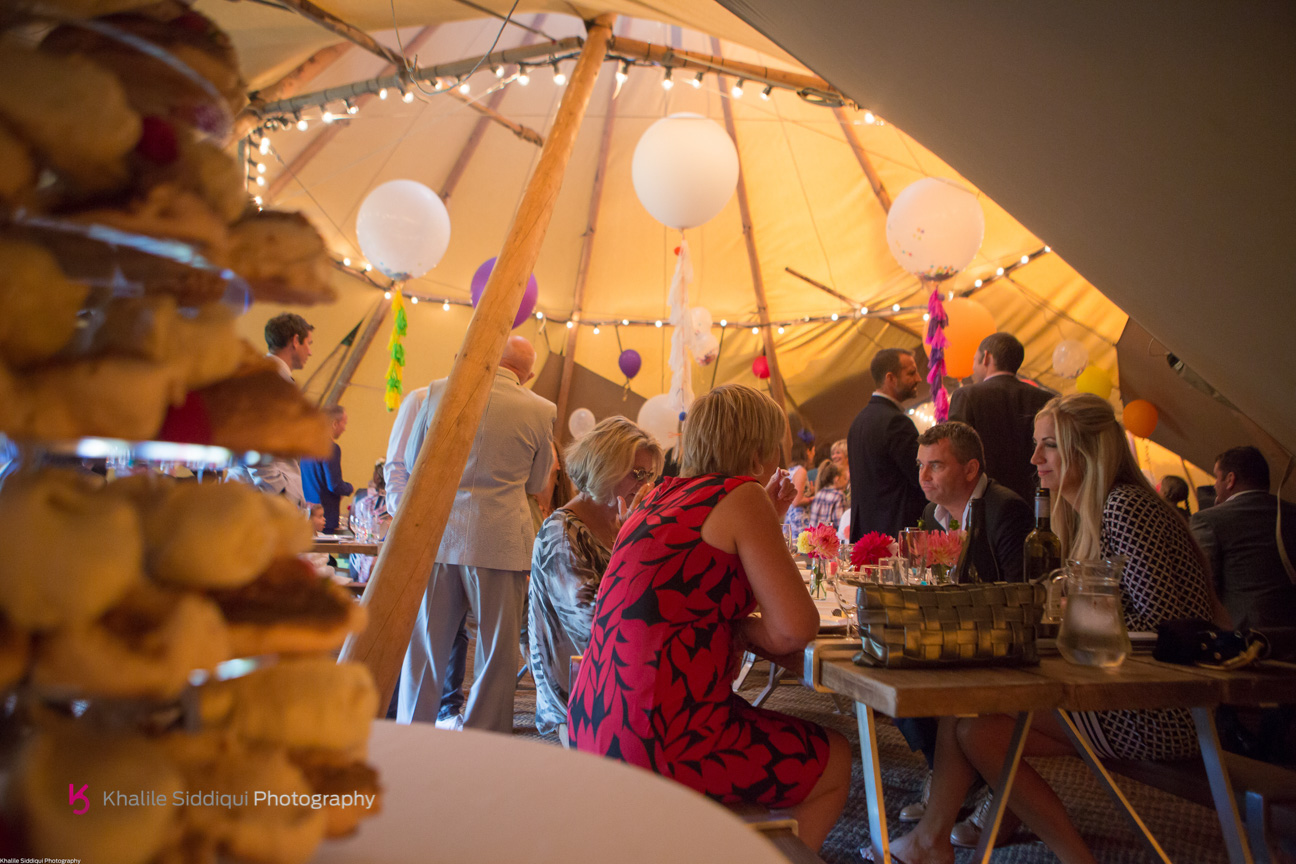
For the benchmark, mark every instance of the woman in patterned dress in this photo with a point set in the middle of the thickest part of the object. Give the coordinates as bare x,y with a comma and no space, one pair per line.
608,466
674,612
1103,507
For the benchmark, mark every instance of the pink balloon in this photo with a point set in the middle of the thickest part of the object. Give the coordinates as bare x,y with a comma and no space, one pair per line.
761,368
528,297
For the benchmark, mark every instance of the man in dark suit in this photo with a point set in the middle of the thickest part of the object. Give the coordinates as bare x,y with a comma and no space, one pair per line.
881,448
950,457
1239,537
321,479
1001,408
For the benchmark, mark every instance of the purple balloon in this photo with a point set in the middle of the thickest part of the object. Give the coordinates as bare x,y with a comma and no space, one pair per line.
528,296
629,361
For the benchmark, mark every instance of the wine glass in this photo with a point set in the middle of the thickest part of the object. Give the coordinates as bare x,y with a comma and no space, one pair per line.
847,595
913,547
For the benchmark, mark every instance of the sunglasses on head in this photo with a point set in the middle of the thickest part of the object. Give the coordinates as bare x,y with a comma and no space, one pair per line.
641,474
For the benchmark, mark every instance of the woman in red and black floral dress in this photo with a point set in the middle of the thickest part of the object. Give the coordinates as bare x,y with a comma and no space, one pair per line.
674,611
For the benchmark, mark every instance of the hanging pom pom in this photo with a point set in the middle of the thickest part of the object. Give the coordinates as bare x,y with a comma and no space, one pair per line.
396,368
936,342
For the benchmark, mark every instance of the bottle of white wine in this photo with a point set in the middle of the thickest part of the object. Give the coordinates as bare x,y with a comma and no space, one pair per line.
1042,549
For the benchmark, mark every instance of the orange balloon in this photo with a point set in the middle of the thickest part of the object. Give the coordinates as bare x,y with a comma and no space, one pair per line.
969,323
1140,418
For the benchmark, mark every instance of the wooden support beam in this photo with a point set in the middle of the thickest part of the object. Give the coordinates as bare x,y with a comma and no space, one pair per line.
855,305
289,85
660,54
479,129
331,22
777,390
331,131
487,109
861,156
582,269
358,349
400,576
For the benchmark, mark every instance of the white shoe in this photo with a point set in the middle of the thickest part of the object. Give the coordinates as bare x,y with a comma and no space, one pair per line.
453,724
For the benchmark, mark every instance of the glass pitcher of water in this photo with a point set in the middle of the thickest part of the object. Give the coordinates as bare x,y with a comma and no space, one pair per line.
1093,623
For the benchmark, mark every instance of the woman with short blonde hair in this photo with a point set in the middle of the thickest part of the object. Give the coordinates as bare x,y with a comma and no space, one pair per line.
608,466
689,568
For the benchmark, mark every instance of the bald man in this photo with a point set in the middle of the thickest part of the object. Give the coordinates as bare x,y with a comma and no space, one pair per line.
485,553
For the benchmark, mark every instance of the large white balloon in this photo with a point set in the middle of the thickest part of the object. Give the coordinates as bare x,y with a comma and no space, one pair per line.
403,229
706,350
580,422
1070,358
935,228
685,169
659,417
701,320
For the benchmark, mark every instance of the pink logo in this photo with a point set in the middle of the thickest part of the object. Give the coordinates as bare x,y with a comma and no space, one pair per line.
75,795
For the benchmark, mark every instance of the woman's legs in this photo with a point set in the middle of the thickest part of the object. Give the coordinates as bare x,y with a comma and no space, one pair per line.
985,740
952,776
817,815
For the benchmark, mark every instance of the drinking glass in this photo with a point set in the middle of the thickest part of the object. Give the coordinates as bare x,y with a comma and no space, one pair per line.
848,601
913,546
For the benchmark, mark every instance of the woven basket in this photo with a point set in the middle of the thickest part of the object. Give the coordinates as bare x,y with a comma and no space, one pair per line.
991,624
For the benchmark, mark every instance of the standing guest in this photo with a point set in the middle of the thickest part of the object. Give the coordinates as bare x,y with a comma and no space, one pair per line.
950,470
675,609
1102,507
1175,490
1001,408
830,495
1239,536
882,447
485,553
288,339
322,481
609,466
800,458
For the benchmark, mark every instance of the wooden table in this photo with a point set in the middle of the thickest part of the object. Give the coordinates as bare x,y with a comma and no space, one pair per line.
1058,686
345,547
483,797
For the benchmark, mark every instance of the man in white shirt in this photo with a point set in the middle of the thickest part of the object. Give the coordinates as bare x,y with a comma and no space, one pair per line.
289,338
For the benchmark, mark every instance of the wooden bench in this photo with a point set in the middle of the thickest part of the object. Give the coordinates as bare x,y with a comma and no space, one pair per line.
1266,794
780,828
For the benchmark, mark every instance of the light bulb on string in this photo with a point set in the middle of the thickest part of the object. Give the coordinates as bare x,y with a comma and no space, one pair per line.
1025,259
755,331
465,88
697,81
570,325
386,295
352,108
445,307
382,94
264,146
522,77
765,94
625,322
256,199
835,316
260,181
737,91
977,284
596,330
414,300
261,169
499,71
869,118
346,262
724,323
559,78
926,316
539,316
624,72
368,267
667,83
407,97
327,117
780,330
895,307
658,322
999,272
1048,248
302,124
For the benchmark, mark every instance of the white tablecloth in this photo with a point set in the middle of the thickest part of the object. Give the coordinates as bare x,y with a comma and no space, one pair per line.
480,797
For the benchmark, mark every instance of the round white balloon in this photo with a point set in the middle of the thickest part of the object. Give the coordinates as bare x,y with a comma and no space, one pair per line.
685,169
701,320
403,229
580,422
1070,358
706,350
659,417
935,228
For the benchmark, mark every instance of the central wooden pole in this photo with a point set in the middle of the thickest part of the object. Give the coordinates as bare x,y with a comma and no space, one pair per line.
401,574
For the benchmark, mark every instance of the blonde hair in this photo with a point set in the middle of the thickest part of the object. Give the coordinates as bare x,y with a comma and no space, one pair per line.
598,461
1092,442
727,428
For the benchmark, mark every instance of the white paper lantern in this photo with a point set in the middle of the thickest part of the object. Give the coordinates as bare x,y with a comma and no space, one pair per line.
580,422
685,169
1070,358
935,228
403,229
659,417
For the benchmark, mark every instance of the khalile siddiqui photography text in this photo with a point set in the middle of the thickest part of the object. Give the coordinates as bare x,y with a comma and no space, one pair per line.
185,798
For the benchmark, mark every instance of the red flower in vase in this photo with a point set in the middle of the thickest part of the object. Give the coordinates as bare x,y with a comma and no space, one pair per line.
871,548
943,548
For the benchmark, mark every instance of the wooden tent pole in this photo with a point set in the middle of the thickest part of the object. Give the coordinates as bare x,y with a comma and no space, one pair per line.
289,85
338,386
884,318
582,270
328,133
865,163
400,576
677,59
488,112
777,390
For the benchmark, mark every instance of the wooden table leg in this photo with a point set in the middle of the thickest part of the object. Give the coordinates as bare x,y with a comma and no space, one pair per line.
1098,770
873,784
1235,840
1012,758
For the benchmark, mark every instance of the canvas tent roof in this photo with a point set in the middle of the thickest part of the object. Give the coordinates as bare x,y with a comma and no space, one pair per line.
812,210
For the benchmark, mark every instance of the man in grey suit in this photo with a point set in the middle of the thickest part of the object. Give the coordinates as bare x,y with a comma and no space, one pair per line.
1240,539
485,553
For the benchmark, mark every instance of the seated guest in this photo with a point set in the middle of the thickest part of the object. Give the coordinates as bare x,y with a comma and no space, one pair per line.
608,467
1239,537
830,495
1175,490
674,610
1102,506
952,474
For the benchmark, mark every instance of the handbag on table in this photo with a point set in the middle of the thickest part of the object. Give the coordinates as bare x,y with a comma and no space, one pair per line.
934,626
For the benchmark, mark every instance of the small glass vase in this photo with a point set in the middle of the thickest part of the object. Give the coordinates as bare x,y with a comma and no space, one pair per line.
818,578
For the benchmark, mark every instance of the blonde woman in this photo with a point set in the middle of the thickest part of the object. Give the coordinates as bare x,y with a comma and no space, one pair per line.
689,568
1103,506
610,465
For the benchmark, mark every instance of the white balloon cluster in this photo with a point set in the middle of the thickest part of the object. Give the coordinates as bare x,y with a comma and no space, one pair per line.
705,346
1070,358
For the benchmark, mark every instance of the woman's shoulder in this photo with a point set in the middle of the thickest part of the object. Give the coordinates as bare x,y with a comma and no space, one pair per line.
1129,498
1132,511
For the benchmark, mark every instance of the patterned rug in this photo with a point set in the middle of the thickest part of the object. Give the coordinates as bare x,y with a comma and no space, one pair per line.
1189,833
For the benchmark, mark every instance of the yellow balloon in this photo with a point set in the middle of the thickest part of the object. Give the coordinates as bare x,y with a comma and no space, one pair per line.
1094,380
